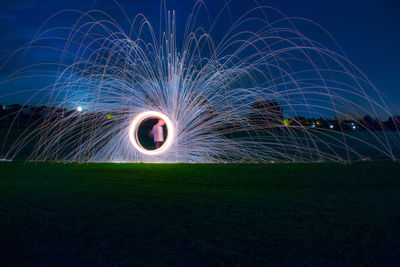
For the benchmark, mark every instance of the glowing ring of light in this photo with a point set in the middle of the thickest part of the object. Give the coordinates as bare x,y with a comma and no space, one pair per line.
133,129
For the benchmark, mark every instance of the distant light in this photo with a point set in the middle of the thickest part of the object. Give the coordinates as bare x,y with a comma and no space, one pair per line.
313,125
354,127
79,108
286,122
331,126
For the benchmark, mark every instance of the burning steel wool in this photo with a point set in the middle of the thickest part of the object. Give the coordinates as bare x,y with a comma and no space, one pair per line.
147,95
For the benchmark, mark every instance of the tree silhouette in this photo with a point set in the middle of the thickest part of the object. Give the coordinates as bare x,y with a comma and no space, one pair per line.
266,113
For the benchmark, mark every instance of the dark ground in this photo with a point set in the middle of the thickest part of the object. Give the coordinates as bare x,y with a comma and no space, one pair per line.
182,214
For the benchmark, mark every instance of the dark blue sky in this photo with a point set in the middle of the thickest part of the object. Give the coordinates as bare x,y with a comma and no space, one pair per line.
368,31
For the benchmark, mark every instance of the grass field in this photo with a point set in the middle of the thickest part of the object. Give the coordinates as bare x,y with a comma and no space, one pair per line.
182,214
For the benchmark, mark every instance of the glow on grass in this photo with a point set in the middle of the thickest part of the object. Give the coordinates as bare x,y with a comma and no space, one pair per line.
133,132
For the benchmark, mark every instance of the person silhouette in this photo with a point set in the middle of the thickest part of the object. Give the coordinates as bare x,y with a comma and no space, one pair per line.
158,133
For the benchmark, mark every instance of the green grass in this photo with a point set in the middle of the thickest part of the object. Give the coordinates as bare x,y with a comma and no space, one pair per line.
194,214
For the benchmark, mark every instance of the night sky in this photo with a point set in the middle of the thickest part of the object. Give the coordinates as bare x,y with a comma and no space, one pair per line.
368,31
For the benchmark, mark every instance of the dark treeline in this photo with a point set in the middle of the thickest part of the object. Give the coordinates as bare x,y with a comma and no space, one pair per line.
18,116
263,113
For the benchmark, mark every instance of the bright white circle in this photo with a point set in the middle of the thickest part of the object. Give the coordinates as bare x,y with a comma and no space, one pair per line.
133,128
